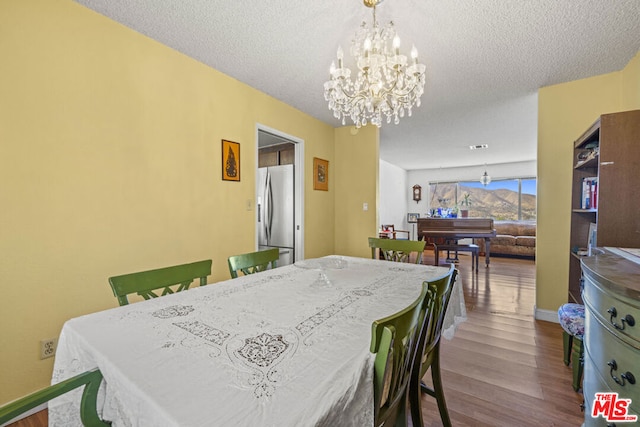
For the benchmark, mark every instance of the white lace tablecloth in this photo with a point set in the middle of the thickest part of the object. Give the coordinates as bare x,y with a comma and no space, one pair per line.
287,347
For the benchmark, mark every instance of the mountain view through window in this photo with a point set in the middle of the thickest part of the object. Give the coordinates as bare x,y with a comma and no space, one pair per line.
511,199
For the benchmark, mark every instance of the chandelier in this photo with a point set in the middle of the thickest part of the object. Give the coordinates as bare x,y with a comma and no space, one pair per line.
386,84
485,179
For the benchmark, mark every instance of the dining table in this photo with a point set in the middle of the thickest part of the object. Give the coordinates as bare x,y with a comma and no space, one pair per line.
285,347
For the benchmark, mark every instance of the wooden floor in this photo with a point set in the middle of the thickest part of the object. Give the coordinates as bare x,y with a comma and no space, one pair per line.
39,419
502,368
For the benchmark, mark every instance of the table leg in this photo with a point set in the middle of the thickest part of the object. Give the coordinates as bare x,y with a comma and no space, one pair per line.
487,250
475,256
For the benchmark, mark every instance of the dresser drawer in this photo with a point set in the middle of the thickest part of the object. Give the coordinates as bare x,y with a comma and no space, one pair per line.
593,384
600,421
602,348
612,309
611,293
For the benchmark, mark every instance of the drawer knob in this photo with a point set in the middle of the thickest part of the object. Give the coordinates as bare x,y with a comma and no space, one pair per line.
628,319
626,377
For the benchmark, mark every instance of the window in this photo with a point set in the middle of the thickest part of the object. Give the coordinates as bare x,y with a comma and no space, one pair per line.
505,199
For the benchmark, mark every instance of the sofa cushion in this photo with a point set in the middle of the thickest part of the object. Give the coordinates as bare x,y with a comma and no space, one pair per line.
513,238
527,229
516,228
502,239
528,241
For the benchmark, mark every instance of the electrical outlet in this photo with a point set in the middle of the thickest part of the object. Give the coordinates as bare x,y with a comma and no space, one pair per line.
48,348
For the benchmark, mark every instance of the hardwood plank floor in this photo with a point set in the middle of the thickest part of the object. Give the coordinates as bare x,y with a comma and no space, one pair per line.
39,419
503,368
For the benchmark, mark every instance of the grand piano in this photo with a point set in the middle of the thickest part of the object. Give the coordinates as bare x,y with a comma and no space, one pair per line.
458,228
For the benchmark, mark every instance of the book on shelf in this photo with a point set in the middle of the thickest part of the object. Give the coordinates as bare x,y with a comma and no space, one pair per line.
589,198
592,238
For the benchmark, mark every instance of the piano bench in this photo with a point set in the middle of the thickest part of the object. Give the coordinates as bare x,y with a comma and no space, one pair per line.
458,248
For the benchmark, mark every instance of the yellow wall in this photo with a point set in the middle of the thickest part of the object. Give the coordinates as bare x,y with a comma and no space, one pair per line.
631,85
565,111
356,183
110,162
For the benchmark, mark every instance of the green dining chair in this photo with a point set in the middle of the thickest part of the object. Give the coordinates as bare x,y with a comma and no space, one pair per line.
253,262
428,352
88,409
148,284
393,341
397,250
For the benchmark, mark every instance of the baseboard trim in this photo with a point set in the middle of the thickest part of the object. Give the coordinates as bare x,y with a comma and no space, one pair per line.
26,414
546,315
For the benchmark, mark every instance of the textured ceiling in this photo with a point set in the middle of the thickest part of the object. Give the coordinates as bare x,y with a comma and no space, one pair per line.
485,59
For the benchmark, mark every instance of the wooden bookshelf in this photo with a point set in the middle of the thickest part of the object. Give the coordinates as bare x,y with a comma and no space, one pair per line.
616,164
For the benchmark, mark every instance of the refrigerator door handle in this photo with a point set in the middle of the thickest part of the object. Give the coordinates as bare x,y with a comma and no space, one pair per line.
259,207
268,208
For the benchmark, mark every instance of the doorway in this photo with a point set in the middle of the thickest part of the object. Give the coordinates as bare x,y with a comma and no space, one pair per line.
278,156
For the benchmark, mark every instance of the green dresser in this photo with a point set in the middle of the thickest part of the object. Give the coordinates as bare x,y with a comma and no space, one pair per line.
611,296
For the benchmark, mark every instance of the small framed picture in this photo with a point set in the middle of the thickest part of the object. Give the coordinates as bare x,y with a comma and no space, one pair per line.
230,161
320,174
413,217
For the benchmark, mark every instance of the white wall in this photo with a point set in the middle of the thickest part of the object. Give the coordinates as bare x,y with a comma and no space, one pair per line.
422,177
395,195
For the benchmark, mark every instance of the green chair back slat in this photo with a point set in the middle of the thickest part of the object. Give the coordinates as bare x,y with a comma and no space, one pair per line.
88,409
148,284
253,262
432,330
394,341
428,350
397,250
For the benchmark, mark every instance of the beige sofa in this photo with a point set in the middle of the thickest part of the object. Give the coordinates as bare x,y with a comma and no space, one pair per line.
513,238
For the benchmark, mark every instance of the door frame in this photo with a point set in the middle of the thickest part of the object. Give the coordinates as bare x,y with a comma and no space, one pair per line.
298,168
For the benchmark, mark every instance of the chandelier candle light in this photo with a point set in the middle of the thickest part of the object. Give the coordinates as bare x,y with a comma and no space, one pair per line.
386,83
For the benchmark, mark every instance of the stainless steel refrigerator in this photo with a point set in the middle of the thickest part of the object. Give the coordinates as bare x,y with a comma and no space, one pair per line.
276,211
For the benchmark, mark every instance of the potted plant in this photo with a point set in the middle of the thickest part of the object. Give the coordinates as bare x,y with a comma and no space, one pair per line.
465,203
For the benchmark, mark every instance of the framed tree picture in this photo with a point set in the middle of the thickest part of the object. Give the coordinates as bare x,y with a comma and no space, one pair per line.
320,174
230,160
